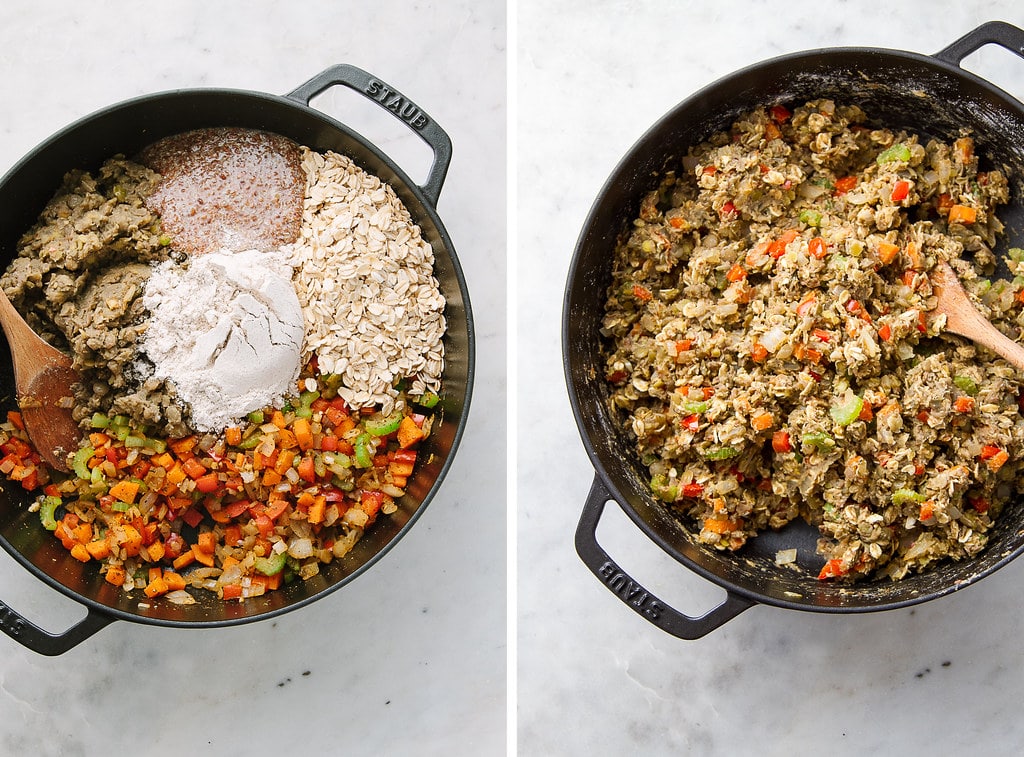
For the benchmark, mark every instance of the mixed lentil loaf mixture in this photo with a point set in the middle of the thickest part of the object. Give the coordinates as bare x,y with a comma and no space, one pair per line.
772,353
163,493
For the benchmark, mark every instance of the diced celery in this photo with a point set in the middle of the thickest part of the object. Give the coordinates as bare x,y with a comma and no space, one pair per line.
47,508
819,440
904,496
80,462
271,565
695,408
382,425
256,416
99,420
363,455
428,400
847,411
721,453
966,384
810,217
663,488
898,152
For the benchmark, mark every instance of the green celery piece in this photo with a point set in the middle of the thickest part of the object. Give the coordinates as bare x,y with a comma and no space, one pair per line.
80,462
663,489
898,152
903,496
272,565
721,453
47,508
847,411
966,384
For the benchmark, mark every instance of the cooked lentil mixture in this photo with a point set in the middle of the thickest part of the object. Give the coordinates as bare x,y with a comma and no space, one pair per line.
772,354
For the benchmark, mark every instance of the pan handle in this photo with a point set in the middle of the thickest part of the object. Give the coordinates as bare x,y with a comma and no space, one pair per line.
635,596
994,32
35,638
393,101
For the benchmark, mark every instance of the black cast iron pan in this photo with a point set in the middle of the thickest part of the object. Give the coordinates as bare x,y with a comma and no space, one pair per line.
126,128
929,95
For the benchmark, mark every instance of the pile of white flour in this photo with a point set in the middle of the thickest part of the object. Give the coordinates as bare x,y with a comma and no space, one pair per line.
227,331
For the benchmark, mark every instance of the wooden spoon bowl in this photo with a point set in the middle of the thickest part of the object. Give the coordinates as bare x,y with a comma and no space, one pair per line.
963,318
43,377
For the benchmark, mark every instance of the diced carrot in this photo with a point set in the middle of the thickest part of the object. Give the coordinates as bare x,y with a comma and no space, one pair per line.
721,525
286,439
642,293
204,558
185,559
174,581
771,131
758,352
964,214
269,583
806,305
762,421
963,148
156,587
944,203
736,273
278,419
193,468
780,442
989,451
307,469
15,419
832,569
887,252
963,404
778,248
817,248
82,533
866,413
99,549
271,477
231,591
997,461
285,459
317,509
184,445
132,540
927,510
115,575
233,435
885,332
79,552
125,491
156,551
408,432
163,460
206,542
98,440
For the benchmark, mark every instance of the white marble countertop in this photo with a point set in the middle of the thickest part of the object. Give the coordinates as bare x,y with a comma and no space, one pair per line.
594,678
410,657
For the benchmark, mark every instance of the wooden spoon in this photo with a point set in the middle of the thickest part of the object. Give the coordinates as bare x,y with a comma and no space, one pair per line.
43,377
964,319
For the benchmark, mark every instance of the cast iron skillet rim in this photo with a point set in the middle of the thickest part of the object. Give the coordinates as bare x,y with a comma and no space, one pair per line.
623,166
115,613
